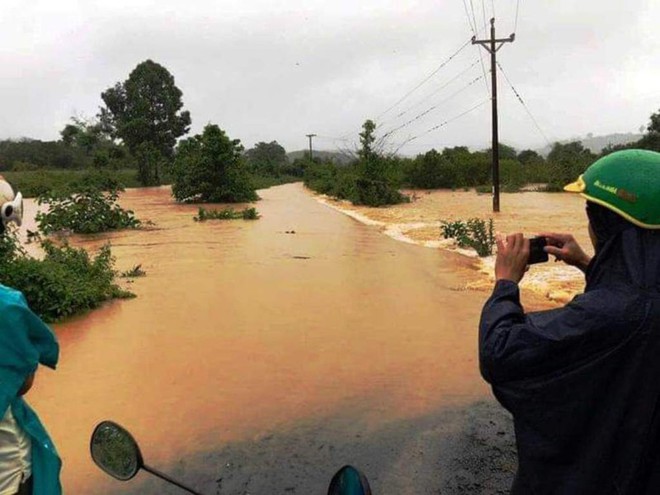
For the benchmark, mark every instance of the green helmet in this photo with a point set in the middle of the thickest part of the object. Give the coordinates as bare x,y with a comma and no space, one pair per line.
628,183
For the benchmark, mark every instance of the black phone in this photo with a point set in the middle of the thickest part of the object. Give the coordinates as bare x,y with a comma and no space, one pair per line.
536,251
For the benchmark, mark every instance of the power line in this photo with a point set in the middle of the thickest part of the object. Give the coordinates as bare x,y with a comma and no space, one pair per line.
515,27
474,17
483,67
440,67
483,12
401,114
474,32
429,110
524,105
467,13
443,124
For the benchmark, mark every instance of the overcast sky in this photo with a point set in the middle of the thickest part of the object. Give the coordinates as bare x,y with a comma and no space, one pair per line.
268,70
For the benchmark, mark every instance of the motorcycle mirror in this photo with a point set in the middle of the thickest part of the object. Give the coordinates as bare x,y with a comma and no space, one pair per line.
115,451
349,481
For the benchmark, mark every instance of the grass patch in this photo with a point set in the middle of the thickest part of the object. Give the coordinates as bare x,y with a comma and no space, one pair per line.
35,183
226,214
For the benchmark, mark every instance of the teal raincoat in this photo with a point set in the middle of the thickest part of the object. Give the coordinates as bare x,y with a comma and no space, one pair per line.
26,342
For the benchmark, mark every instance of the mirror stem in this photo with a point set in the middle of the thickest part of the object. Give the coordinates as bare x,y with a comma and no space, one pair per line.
163,476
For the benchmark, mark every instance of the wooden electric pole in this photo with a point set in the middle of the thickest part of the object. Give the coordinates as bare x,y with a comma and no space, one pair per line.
492,45
311,152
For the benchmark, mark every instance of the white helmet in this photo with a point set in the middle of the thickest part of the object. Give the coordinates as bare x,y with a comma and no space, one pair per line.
11,206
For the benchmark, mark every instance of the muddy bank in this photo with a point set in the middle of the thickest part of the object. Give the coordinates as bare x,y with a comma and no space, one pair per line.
468,450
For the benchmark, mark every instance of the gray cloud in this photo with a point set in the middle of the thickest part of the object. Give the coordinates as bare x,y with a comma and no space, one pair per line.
267,70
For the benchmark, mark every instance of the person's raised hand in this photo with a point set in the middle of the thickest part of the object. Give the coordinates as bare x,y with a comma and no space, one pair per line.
512,257
564,247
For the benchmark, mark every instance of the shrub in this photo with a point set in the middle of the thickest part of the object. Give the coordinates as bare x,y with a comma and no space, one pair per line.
87,212
67,281
209,168
475,233
226,214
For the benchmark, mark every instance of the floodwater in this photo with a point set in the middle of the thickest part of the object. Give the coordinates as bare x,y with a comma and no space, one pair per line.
531,213
240,329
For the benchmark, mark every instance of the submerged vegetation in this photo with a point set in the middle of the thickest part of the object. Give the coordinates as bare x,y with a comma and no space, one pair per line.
226,214
475,233
67,281
89,211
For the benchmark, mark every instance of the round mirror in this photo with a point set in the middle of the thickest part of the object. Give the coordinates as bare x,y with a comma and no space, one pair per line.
349,481
115,451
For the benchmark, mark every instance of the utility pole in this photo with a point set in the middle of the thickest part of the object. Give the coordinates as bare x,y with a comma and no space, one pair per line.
493,45
311,152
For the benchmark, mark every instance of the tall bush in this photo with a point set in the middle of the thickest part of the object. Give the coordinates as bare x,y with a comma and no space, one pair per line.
209,168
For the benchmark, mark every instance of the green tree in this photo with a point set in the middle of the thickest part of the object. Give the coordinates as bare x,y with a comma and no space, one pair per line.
145,112
651,140
529,157
506,152
267,158
432,170
654,125
376,184
566,162
209,168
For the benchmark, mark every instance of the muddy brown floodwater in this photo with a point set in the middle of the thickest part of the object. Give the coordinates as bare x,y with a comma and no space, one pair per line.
240,329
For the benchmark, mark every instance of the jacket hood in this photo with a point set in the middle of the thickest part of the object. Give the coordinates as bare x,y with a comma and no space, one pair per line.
625,253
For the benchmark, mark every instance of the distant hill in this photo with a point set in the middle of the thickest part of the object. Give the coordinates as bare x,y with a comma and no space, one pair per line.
597,143
335,156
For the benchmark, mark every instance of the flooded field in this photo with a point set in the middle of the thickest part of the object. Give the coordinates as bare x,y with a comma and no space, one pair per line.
241,329
531,213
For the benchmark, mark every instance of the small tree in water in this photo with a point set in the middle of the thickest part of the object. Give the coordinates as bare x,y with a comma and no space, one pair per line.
209,168
376,182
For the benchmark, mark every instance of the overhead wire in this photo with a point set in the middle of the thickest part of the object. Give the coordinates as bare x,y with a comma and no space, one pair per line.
426,79
515,27
443,124
473,28
429,110
474,17
430,95
483,67
538,127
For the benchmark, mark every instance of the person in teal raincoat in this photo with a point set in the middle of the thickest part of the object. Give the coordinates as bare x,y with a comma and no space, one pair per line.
29,463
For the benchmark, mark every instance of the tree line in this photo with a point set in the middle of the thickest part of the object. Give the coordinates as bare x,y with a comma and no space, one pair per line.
458,167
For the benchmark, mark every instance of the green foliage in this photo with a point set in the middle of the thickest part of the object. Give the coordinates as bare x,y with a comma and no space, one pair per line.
145,113
250,214
475,233
209,169
226,214
36,183
376,182
87,212
67,281
267,159
567,162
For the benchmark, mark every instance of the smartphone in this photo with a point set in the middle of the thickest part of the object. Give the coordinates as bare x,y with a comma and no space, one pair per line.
536,252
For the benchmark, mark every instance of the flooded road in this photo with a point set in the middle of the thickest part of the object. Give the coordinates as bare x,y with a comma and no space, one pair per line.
240,329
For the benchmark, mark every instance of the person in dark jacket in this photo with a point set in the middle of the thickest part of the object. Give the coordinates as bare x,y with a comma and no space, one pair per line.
583,381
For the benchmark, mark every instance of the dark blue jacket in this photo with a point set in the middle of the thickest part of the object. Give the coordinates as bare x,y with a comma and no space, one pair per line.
583,382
